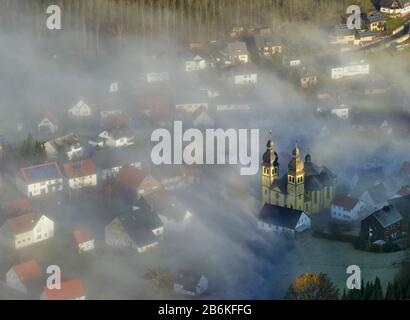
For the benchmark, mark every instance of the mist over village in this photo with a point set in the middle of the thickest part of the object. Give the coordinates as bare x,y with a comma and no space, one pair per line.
204,150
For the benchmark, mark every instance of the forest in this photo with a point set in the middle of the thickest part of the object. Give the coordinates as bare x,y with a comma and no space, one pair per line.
184,20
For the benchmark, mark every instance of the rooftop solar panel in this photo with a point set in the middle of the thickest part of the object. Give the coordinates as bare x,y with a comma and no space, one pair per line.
41,173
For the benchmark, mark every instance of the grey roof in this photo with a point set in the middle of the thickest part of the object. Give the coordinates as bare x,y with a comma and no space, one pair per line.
237,48
387,216
265,41
139,224
402,205
280,216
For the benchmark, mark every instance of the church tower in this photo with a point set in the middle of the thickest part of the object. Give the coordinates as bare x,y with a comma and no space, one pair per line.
296,181
270,170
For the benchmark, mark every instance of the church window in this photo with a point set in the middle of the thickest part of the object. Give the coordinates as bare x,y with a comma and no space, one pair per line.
328,192
293,179
315,197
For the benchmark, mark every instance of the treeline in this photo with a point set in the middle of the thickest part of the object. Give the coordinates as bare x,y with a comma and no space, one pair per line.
187,20
395,290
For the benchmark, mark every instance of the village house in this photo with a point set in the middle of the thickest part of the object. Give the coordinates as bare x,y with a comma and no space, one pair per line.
48,124
25,277
350,69
174,177
40,179
307,78
376,196
346,208
402,205
342,35
80,110
190,283
395,7
365,36
291,60
374,21
173,214
282,220
231,104
155,108
195,62
70,290
191,101
109,162
244,75
238,52
115,119
267,45
334,107
139,229
27,229
115,138
80,174
137,181
382,225
84,240
67,146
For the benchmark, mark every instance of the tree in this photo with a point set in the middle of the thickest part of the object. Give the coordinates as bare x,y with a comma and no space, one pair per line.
310,286
33,150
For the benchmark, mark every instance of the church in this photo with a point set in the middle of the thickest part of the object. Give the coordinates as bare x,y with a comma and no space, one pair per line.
304,187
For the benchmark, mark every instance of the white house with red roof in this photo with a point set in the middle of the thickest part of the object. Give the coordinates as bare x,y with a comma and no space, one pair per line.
80,174
346,208
25,276
84,240
27,229
40,179
69,290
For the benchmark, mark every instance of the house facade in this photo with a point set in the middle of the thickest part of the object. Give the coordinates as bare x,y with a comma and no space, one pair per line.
346,208
80,109
139,229
395,7
27,229
40,180
80,174
282,220
382,225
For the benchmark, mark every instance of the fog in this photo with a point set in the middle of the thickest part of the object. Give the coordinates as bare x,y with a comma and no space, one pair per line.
40,74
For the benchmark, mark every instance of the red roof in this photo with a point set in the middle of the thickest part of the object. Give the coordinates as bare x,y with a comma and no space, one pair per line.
82,236
155,107
118,120
345,202
76,169
70,289
27,271
22,223
130,177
